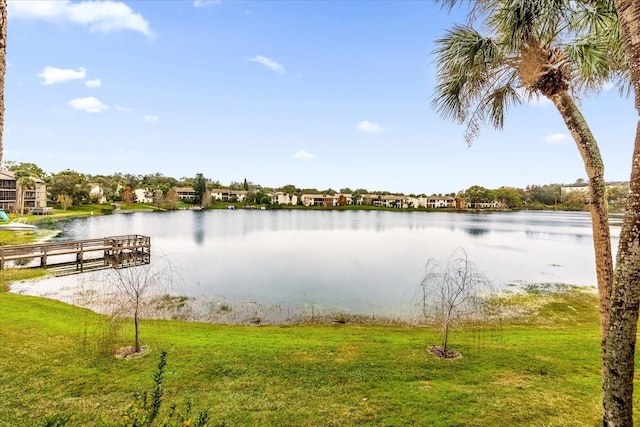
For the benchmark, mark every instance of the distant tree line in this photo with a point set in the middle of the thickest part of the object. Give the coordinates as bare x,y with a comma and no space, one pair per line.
70,187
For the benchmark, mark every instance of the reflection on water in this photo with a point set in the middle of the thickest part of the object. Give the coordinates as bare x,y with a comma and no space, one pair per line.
353,261
198,229
476,231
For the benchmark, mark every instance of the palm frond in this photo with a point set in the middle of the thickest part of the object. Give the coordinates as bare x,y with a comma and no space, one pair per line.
450,4
597,53
594,17
475,80
538,46
590,60
499,101
491,107
465,60
523,21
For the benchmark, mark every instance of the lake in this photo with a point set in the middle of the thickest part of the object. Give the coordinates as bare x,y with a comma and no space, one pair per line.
357,262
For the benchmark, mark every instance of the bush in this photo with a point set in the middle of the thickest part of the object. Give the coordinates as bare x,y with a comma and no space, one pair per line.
147,411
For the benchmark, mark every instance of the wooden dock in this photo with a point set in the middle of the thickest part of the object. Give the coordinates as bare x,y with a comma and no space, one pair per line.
79,255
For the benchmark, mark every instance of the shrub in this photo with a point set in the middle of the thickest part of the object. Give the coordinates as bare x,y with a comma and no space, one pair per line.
147,411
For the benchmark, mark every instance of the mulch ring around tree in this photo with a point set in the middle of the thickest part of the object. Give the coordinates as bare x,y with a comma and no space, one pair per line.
130,352
444,353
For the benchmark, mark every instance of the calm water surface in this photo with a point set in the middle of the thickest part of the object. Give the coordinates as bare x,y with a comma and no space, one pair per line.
366,262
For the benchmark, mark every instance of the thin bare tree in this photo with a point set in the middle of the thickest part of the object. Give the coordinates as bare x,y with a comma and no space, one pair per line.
452,292
137,286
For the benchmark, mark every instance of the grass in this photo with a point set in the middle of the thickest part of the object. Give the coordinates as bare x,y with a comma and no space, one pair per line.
16,237
57,359
16,275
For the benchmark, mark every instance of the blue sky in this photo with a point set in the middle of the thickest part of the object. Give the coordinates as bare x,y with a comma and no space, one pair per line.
325,94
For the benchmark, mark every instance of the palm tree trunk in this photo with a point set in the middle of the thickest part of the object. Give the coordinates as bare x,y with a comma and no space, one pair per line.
629,19
18,199
3,64
625,298
617,388
594,166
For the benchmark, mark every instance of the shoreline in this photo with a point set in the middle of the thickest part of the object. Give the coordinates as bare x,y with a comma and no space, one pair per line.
95,296
207,309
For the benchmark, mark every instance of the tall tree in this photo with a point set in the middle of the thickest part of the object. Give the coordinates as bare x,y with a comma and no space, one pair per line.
69,183
508,196
625,297
3,65
549,48
31,168
548,194
170,199
128,196
477,194
200,188
24,181
157,180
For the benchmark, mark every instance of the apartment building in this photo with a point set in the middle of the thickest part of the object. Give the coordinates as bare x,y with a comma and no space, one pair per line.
185,192
226,195
35,195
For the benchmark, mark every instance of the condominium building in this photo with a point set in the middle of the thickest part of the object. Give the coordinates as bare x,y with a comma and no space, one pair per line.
35,195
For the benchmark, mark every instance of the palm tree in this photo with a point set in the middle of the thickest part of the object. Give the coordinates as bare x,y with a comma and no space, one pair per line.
625,297
24,181
550,48
3,64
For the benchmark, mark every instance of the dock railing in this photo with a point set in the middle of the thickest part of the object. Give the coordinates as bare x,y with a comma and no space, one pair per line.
79,255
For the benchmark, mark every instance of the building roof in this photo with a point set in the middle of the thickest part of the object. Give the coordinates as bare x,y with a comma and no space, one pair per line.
226,190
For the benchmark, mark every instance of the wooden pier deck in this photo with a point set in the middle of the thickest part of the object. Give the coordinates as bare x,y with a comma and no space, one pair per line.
79,255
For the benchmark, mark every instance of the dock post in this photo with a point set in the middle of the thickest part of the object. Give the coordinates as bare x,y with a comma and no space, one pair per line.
80,257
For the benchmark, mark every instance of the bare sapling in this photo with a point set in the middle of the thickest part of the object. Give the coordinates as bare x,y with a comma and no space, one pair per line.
452,293
137,287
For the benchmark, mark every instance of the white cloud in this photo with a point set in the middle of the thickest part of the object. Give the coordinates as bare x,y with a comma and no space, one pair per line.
99,16
53,75
303,155
366,126
122,109
558,138
269,63
89,105
93,83
203,3
149,118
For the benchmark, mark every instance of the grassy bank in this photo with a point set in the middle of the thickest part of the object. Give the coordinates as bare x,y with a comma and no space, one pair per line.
58,359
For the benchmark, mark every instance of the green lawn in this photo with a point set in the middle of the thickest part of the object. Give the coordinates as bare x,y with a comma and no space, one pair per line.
57,359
